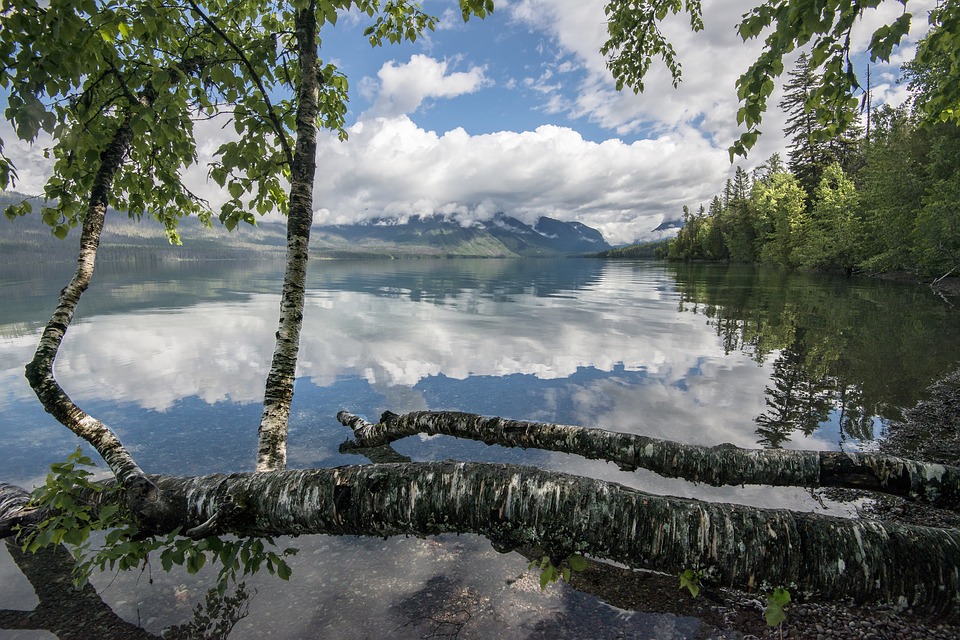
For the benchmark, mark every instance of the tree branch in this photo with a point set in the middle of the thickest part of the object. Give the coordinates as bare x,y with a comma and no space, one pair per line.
717,466
254,77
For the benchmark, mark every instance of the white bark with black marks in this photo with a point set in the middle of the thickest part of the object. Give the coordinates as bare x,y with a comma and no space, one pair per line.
742,547
39,371
721,465
278,393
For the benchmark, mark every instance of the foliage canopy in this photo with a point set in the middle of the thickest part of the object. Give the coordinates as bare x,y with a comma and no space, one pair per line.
823,27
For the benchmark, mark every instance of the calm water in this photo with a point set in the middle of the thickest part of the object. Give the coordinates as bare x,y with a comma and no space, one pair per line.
174,357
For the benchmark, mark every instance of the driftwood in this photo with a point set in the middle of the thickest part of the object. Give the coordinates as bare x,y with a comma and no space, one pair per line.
721,465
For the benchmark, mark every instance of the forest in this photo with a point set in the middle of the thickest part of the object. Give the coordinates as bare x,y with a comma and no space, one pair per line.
880,197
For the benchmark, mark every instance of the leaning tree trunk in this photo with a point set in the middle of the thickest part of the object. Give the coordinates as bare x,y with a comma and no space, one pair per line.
278,394
721,465
739,546
39,371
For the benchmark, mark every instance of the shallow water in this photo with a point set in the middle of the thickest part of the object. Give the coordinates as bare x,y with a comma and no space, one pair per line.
173,357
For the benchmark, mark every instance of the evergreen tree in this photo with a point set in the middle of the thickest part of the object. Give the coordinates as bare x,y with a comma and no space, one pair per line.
892,188
739,221
936,237
714,244
812,146
782,220
835,224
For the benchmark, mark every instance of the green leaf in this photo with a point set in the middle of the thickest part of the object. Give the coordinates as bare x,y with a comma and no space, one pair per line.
690,580
195,561
544,579
577,562
774,612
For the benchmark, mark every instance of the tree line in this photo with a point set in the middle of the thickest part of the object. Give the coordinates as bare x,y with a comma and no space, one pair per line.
882,196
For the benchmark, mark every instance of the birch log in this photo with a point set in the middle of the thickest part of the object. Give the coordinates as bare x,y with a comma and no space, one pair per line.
721,465
742,547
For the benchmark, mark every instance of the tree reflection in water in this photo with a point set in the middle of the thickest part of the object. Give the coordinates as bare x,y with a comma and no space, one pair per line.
80,614
846,352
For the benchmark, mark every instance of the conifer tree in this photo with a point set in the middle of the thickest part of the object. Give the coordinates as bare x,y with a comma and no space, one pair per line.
812,147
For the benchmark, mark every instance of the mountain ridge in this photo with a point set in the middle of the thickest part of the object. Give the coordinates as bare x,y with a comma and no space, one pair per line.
500,236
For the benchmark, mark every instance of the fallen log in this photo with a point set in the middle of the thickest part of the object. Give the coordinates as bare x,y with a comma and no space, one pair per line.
737,546
721,465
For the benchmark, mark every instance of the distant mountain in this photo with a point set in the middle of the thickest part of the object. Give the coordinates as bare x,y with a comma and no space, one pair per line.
669,225
500,236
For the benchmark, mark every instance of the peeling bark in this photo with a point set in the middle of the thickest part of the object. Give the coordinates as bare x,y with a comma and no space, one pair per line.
742,547
721,465
39,372
14,511
278,392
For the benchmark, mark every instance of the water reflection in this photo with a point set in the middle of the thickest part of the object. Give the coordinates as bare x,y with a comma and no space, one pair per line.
174,358
702,354
845,354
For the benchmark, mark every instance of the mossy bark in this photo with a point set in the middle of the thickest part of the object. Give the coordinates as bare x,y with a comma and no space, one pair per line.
720,465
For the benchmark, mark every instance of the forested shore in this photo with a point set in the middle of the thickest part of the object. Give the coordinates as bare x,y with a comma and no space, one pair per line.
881,197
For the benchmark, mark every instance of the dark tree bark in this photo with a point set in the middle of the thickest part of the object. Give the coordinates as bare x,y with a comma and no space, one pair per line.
721,465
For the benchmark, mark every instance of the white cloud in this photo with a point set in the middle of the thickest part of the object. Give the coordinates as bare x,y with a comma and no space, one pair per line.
391,166
404,87
33,168
712,61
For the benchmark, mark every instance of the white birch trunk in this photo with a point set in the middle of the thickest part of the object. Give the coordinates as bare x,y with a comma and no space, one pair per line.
722,465
278,392
39,371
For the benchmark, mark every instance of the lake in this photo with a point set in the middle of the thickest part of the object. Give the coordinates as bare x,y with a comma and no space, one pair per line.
173,356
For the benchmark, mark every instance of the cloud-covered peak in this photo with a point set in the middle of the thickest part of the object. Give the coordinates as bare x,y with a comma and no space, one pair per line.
393,167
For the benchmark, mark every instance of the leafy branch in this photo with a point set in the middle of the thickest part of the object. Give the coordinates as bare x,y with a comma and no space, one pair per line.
79,506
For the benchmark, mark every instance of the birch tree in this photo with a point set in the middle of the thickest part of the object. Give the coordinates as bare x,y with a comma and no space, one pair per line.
112,101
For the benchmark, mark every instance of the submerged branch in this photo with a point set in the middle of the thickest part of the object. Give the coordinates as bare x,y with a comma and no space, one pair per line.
718,466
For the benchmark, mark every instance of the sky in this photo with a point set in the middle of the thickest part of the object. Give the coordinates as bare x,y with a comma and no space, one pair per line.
518,113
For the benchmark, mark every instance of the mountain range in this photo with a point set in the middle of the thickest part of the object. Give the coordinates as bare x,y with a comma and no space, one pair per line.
501,236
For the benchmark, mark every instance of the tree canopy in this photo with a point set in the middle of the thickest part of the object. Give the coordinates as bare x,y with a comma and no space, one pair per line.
822,27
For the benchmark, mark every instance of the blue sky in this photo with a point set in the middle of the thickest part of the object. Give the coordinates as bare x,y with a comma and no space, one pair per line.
517,113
